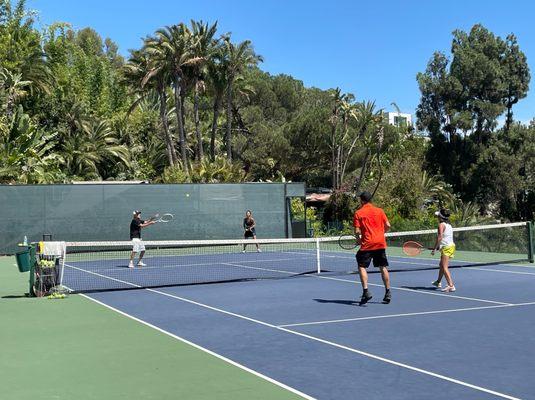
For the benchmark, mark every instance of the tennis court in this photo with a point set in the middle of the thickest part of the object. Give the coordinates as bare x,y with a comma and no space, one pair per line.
308,332
272,315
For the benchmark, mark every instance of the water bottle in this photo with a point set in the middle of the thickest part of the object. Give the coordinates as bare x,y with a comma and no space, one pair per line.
25,242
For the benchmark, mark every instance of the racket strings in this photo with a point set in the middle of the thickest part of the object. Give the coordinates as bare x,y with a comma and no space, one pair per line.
412,248
348,242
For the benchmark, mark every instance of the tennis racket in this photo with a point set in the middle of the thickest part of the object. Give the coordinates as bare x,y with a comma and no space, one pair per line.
412,248
162,218
348,242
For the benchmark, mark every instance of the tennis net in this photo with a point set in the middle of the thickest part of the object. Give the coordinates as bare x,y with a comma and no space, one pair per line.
101,266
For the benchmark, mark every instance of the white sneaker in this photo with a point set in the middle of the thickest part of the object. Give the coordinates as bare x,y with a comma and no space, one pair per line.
131,265
243,251
436,284
141,264
258,251
449,289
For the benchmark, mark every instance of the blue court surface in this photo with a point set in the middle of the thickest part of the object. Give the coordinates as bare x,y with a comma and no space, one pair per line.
307,331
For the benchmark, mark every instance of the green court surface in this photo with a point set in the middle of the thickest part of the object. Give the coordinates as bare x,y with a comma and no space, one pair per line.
76,349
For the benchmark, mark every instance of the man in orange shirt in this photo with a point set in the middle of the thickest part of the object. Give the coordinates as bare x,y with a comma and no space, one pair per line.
370,224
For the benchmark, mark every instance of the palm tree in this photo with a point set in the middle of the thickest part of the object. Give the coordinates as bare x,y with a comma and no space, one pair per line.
77,120
145,74
364,119
333,121
204,47
370,132
173,48
218,83
342,106
238,58
85,153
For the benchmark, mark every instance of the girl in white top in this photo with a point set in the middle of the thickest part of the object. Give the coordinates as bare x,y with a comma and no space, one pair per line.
445,244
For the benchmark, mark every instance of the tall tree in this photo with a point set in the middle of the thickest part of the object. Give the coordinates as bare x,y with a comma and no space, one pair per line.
517,77
238,58
145,73
461,100
173,48
204,47
341,109
218,84
20,46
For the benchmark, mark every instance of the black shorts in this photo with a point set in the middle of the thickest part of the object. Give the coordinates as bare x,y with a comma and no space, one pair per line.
249,234
364,258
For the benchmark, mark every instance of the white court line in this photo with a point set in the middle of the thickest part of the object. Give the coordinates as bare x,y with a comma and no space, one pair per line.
262,269
188,265
335,321
505,272
333,344
449,295
141,269
424,263
212,353
333,279
504,263
353,350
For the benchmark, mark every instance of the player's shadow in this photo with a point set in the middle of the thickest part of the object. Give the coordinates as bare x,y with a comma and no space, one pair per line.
427,288
344,302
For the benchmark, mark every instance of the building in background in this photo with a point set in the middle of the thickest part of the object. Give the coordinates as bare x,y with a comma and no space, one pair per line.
399,119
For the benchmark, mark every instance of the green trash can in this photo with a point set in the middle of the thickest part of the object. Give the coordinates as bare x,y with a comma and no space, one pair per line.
23,260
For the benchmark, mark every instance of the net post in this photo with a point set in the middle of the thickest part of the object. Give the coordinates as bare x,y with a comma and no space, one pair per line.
531,246
318,262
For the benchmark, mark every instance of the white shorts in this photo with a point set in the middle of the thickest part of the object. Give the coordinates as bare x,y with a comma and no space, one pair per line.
137,245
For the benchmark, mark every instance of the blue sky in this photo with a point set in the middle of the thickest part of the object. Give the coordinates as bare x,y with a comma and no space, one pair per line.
371,49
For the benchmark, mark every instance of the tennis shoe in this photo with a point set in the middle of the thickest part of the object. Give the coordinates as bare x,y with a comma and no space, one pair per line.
387,299
258,251
131,265
365,298
437,284
141,264
243,251
449,289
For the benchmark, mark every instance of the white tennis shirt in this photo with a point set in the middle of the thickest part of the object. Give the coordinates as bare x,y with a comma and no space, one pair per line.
447,235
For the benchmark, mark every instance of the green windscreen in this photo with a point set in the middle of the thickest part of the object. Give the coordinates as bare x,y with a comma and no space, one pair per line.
103,212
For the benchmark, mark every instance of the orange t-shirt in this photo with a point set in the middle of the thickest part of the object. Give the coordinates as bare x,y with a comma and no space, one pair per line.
371,221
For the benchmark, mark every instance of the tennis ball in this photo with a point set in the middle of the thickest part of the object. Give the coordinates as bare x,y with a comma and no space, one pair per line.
187,194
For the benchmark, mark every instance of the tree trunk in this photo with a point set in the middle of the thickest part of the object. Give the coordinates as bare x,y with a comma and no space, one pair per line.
198,135
229,122
338,168
333,155
236,116
183,109
380,169
217,106
170,149
180,123
362,172
348,154
509,118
